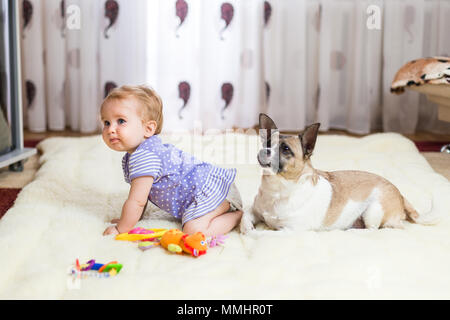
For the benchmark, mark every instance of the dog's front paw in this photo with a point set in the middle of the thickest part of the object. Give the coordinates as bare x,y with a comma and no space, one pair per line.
246,225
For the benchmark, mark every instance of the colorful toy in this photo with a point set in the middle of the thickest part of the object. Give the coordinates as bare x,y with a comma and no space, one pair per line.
141,234
173,240
176,241
144,245
107,270
216,241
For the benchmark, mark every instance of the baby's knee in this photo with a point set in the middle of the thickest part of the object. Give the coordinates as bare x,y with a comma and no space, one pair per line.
191,227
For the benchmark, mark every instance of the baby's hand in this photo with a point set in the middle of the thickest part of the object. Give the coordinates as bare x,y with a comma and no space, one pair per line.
111,230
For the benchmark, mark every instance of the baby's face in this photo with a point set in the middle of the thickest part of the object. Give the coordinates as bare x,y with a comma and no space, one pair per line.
123,129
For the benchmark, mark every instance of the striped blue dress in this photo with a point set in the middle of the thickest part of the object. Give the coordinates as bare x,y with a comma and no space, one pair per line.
183,186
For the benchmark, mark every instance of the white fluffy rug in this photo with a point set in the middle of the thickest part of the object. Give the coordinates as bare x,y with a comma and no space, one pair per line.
61,215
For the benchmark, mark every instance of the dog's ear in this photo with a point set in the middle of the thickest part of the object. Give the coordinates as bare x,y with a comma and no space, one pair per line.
265,122
308,139
267,127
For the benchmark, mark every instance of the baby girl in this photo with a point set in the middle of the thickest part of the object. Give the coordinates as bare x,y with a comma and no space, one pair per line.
203,196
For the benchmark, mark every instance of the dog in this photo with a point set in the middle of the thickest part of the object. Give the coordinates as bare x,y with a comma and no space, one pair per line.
294,195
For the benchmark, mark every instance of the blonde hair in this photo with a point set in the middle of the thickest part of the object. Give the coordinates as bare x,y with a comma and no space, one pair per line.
150,101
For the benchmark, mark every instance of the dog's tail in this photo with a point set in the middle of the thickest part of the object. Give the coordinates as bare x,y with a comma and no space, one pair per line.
413,216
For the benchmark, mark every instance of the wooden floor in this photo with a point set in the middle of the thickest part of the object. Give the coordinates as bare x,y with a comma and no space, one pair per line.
28,135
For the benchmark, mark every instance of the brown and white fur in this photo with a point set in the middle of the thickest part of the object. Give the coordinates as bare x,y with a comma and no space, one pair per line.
295,195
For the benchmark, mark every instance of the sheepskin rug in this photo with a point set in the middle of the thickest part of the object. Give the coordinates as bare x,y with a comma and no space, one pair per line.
79,188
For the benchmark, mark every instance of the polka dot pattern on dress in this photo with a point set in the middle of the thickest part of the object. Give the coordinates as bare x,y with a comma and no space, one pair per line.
183,186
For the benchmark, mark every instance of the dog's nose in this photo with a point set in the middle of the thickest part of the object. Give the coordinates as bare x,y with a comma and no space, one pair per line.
264,157
264,154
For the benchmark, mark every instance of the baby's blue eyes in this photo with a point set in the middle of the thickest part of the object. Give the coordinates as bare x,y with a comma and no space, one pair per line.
107,123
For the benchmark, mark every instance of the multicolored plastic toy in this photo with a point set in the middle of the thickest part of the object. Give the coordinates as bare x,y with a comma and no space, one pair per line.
176,241
216,241
141,234
144,245
107,270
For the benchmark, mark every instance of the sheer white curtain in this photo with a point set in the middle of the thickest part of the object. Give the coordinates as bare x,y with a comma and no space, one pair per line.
205,60
412,29
217,64
349,66
74,51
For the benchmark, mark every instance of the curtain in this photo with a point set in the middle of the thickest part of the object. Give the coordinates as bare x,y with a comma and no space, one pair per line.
218,64
74,52
207,61
414,28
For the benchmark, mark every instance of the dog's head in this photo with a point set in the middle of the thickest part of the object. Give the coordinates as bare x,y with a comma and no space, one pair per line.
285,155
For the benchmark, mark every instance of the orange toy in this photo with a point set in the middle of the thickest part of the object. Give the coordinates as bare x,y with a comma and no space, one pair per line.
176,241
